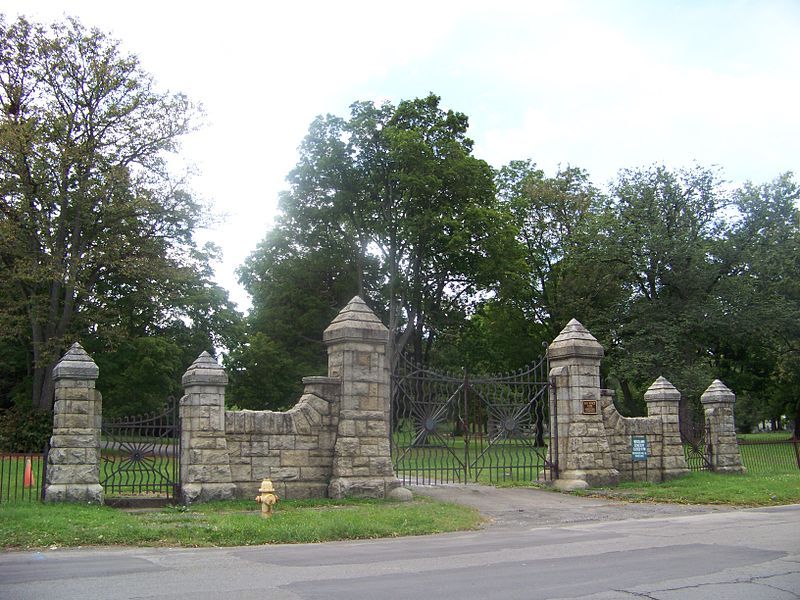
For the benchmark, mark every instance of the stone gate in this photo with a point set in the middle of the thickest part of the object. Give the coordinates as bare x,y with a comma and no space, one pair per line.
335,441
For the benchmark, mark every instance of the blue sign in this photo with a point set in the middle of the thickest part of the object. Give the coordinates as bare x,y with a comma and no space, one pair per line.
638,447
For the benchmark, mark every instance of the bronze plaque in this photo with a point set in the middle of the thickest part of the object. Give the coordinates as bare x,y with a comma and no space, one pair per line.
590,407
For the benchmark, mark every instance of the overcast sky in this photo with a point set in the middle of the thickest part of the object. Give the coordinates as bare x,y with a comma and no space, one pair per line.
598,84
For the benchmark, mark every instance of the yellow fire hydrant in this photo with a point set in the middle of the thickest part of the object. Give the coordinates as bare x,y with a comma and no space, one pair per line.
267,499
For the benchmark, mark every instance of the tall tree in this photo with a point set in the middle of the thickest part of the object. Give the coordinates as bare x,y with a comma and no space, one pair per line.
89,213
665,230
400,186
760,356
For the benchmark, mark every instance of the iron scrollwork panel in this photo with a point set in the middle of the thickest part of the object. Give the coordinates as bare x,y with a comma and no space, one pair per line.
141,454
510,439
451,428
695,438
427,410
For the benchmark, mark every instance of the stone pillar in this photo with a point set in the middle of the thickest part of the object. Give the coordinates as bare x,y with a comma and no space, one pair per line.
73,465
362,464
584,454
663,401
205,464
718,403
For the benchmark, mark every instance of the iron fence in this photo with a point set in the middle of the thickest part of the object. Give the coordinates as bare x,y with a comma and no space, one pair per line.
770,456
22,476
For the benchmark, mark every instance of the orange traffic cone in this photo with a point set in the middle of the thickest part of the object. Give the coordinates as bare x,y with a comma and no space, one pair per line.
28,480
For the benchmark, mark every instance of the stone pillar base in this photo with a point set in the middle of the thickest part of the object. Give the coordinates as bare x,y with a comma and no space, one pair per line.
355,487
580,479
668,474
70,492
206,492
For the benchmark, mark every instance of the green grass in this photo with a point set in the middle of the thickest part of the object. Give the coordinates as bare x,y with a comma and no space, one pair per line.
751,489
766,436
236,523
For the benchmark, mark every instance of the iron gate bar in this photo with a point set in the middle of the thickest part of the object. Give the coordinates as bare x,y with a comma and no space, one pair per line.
509,417
502,423
696,438
426,431
141,454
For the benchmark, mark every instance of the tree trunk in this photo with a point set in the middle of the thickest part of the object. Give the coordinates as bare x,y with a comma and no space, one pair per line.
43,387
627,397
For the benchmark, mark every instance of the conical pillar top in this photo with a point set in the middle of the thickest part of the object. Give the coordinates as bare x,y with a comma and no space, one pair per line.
662,390
718,393
356,322
204,371
575,341
76,364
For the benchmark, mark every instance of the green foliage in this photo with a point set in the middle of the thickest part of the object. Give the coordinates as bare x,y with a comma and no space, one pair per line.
96,231
264,375
24,428
389,204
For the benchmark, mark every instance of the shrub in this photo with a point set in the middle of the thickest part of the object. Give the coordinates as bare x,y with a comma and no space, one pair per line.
25,428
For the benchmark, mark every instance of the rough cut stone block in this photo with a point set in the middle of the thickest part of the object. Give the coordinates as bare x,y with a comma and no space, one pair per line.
295,490
285,474
315,474
282,442
295,458
242,472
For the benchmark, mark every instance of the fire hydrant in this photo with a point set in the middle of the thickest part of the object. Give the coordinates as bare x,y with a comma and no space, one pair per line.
267,499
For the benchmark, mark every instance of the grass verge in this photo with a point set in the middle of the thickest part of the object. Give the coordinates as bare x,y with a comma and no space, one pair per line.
235,523
751,489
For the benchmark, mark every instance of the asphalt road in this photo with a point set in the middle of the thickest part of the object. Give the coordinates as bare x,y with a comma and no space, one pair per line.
537,545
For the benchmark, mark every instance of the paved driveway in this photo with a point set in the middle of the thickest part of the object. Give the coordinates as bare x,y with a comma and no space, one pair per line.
515,508
539,545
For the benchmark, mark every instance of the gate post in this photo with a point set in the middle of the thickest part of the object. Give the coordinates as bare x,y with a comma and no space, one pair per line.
362,464
584,454
73,464
205,463
663,401
718,403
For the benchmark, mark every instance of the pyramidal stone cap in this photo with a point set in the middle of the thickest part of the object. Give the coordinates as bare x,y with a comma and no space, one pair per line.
204,371
575,341
662,390
356,322
718,393
76,364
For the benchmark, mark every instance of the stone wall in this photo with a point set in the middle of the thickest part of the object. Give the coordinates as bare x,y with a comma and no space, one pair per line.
293,448
333,443
594,440
665,457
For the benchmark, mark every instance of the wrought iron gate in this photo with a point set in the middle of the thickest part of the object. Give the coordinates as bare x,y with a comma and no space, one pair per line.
695,437
448,428
141,455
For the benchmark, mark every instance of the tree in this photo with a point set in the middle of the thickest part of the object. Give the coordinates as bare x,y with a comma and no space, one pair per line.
400,185
557,222
665,232
298,284
760,356
90,216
